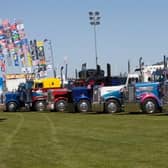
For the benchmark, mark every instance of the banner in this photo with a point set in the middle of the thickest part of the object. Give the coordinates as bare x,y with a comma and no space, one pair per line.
40,50
29,59
14,46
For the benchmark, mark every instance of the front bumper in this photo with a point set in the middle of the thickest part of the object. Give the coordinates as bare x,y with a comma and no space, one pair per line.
132,107
165,107
3,107
97,107
50,106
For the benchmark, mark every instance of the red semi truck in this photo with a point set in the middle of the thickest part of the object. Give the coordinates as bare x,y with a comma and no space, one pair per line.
58,99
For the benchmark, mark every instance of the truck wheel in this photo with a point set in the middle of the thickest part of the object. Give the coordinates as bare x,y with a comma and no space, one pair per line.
61,105
12,107
112,106
83,106
40,106
150,106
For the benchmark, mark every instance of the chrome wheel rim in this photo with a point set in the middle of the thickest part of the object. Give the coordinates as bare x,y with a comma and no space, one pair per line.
12,107
61,106
112,107
83,107
40,106
150,107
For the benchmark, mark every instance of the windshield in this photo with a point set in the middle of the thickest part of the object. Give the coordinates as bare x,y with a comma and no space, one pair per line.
133,80
38,85
116,81
29,84
160,76
111,81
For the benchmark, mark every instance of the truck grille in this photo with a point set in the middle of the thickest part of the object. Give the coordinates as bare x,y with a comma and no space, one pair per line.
129,94
96,95
49,97
165,93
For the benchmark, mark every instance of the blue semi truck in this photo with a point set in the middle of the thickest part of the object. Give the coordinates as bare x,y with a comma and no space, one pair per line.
81,99
22,97
144,97
148,97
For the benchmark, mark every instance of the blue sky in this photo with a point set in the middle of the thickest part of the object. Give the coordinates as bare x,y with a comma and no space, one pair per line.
129,29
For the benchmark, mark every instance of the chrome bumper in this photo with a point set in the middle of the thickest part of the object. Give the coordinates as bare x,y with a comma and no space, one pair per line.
50,106
97,107
3,107
132,107
71,107
165,107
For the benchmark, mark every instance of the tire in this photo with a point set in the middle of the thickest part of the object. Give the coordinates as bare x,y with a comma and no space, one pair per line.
40,106
83,106
149,106
61,105
12,107
112,106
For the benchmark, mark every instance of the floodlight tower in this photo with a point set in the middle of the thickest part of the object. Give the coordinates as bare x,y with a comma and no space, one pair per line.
94,21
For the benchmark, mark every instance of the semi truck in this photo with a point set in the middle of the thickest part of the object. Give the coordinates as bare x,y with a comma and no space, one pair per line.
109,98
81,98
148,97
20,98
31,95
57,99
144,97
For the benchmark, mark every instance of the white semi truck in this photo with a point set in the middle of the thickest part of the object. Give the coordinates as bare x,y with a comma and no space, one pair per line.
109,98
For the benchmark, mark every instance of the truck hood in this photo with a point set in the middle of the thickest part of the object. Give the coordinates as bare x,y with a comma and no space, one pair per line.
11,93
109,89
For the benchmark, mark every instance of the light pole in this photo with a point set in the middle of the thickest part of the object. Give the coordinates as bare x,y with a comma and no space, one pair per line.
94,21
52,55
140,67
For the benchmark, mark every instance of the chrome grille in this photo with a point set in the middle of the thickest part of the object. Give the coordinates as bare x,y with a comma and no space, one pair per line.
164,91
49,97
96,95
129,94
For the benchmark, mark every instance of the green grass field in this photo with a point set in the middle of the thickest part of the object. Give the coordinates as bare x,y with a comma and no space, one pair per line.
67,140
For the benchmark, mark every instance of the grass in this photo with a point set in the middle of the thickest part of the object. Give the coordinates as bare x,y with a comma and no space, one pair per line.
66,140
